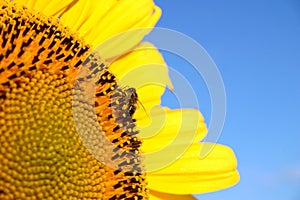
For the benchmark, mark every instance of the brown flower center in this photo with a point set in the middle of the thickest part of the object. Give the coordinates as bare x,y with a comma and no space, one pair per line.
42,155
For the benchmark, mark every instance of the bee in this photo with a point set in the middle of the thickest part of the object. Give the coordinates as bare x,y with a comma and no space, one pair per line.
133,101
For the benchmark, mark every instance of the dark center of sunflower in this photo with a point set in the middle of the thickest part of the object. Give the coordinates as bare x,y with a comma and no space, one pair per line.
42,156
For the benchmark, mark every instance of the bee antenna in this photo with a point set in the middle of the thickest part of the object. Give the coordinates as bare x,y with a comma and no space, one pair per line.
140,103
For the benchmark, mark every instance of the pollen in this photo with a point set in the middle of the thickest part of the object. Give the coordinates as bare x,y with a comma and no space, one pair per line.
42,155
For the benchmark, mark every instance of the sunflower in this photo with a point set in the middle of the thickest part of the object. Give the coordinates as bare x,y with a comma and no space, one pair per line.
60,142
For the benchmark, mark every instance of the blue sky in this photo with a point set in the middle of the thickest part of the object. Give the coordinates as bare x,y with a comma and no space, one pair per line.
256,47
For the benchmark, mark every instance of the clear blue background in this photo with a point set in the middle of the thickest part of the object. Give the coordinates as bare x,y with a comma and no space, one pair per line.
256,46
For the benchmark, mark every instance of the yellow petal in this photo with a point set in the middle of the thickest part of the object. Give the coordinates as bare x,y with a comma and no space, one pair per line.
117,26
48,8
86,13
169,128
123,41
154,195
99,20
145,70
172,127
191,175
27,3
